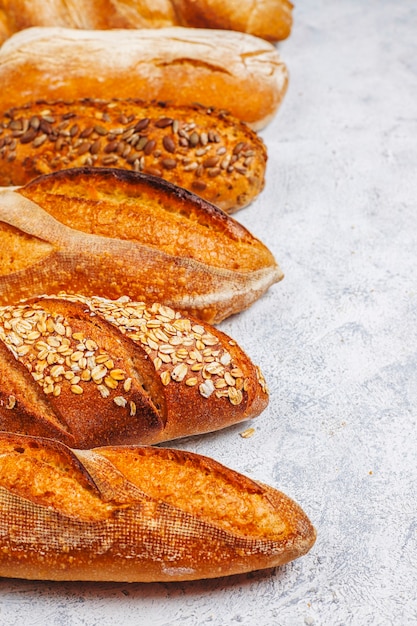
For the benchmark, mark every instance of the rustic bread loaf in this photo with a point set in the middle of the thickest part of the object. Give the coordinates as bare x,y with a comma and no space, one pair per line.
91,372
113,232
137,514
270,19
213,154
226,70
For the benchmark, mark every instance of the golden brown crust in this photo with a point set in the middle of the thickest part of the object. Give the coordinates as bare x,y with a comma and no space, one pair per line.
270,19
113,232
92,372
208,152
93,515
225,70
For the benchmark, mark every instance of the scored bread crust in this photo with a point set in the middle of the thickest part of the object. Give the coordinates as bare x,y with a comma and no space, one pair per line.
113,233
270,19
226,70
208,152
92,371
137,514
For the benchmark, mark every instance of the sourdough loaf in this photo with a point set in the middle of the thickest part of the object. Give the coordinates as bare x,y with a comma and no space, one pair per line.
137,514
92,371
208,152
113,232
226,70
270,19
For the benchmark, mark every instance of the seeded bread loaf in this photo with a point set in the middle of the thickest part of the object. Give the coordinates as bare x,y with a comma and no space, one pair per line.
138,515
113,232
208,152
226,70
270,19
92,371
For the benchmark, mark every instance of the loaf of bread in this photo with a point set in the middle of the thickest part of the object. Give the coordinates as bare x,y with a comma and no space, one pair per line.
213,154
113,232
269,19
226,70
137,514
92,371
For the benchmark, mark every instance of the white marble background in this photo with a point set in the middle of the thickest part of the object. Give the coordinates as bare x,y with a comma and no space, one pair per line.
336,340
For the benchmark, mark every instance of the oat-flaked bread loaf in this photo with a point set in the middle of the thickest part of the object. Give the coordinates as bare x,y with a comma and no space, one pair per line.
225,70
137,514
92,372
270,19
211,153
113,232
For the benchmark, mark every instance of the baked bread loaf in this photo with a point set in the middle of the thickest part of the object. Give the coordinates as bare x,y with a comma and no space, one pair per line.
113,233
213,154
270,19
92,372
138,515
226,70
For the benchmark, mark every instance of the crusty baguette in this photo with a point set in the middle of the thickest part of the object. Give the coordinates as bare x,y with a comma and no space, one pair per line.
92,372
113,232
213,154
226,70
137,514
269,19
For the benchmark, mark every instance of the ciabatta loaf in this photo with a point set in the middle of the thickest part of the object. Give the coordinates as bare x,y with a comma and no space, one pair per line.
226,70
138,515
91,372
113,232
270,19
211,153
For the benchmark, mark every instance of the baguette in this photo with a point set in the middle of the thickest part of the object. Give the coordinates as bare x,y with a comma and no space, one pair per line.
213,154
92,372
113,233
225,70
270,19
137,515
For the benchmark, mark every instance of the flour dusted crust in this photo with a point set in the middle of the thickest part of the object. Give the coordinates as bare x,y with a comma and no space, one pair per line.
227,70
270,19
137,514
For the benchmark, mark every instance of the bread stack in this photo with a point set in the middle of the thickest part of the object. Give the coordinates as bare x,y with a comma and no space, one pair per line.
128,135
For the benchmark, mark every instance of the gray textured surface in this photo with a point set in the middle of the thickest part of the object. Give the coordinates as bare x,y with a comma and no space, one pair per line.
336,340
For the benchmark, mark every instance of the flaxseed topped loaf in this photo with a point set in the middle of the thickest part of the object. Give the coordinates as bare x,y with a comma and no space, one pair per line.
209,152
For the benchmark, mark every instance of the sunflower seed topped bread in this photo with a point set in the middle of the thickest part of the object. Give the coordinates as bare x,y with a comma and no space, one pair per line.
94,371
114,232
208,152
137,514
225,70
270,19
